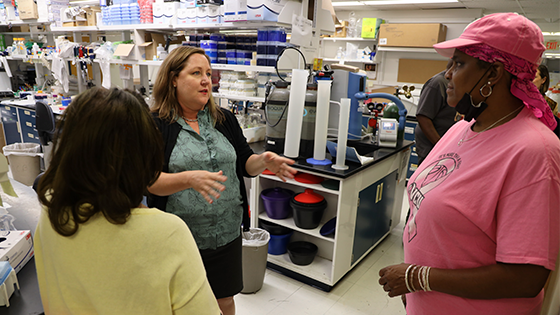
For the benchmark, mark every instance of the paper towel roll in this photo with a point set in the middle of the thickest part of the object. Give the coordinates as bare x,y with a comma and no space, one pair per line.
322,118
295,112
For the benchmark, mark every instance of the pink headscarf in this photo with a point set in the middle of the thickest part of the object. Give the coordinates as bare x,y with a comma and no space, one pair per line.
522,85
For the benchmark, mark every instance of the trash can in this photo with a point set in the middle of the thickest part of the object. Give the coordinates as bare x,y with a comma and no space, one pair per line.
255,250
25,161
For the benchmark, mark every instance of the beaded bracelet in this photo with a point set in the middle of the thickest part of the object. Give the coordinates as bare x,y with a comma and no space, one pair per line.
406,278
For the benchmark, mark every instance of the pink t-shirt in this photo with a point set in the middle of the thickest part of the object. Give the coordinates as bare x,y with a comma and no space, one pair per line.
494,198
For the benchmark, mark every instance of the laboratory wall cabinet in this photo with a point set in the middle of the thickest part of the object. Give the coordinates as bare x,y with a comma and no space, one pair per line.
19,124
367,206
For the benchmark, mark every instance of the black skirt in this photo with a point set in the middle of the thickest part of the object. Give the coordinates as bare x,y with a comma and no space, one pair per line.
224,268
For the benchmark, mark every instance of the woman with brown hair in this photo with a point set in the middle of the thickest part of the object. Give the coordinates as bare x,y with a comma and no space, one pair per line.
98,250
206,158
542,81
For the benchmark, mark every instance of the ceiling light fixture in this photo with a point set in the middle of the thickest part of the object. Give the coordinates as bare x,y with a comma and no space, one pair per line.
346,3
551,33
399,2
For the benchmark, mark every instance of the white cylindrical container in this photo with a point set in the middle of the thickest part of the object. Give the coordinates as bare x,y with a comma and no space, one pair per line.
342,134
322,118
295,112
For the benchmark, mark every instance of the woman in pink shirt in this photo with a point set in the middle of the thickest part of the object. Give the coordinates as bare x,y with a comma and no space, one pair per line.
484,229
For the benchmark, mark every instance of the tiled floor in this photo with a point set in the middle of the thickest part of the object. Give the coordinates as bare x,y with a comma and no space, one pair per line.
357,293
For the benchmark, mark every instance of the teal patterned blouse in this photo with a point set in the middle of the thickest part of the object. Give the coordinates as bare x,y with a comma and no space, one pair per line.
217,224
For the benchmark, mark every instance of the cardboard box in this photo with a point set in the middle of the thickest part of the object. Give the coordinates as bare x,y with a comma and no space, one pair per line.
230,10
340,29
411,35
91,15
419,70
152,40
151,44
74,23
20,28
27,10
16,248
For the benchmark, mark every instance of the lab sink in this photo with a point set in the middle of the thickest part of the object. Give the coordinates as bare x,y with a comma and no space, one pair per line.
363,148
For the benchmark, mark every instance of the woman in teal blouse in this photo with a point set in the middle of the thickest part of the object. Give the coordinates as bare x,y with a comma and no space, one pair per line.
206,157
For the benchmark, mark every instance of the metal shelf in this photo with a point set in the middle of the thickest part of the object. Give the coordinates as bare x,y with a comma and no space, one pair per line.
345,61
239,97
74,29
358,39
406,49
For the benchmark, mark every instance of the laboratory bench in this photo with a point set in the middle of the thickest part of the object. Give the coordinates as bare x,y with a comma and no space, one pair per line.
367,206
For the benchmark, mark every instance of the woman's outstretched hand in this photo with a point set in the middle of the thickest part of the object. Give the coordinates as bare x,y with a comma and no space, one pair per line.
208,184
279,165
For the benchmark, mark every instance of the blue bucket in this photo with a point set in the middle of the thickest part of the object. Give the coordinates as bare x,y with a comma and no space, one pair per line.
278,244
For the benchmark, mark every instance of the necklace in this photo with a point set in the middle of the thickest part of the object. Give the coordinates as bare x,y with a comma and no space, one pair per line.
492,125
190,120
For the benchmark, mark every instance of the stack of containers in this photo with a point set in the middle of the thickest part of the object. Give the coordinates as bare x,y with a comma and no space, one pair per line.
130,13
210,46
221,47
236,83
122,12
146,11
246,45
230,49
270,42
245,87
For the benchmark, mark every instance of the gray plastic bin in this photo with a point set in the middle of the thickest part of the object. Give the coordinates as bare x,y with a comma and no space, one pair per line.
25,161
255,250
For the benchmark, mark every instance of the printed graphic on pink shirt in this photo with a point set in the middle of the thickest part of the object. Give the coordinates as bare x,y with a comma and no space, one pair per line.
429,178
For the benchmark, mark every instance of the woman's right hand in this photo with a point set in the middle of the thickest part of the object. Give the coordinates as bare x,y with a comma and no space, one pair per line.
208,184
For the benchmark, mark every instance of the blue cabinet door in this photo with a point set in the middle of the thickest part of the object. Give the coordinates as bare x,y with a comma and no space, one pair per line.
373,218
28,125
10,124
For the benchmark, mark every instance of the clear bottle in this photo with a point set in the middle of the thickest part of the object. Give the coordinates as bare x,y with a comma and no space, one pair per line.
339,53
21,47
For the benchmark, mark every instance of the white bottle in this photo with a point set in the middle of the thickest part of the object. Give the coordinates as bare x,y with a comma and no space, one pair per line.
160,52
35,49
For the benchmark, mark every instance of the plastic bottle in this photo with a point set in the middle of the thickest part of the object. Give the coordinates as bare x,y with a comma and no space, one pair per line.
21,47
36,50
339,53
160,51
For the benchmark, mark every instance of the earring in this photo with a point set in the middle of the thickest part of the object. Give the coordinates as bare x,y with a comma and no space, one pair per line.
489,88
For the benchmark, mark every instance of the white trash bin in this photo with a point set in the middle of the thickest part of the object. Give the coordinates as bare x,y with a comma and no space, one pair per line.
25,161
255,251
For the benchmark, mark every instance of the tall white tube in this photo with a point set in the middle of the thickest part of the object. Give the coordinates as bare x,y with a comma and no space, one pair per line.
342,134
295,112
322,118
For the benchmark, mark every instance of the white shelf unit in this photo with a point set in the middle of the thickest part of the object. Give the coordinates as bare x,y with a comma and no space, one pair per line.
406,49
328,46
343,61
335,256
239,97
353,39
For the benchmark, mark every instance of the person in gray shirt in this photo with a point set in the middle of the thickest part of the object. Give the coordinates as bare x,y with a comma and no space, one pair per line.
434,116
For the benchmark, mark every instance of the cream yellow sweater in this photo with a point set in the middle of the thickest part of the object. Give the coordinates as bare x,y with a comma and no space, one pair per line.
149,265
